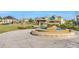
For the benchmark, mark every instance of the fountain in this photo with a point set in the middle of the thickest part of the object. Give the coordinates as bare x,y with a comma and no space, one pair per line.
55,32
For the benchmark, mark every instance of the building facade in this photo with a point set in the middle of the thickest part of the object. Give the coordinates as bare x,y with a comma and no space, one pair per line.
50,20
8,20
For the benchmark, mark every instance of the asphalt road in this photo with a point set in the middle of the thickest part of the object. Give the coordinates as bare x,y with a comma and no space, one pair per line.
23,39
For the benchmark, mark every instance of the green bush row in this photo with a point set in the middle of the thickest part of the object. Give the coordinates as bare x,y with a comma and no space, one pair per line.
25,27
74,27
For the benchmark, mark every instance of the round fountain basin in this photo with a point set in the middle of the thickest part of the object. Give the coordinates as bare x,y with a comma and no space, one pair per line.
55,34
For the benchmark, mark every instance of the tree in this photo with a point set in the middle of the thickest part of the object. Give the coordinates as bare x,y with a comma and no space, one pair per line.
68,24
0,17
52,17
31,20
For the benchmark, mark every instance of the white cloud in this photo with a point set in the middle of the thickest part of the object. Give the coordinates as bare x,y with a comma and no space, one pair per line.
38,5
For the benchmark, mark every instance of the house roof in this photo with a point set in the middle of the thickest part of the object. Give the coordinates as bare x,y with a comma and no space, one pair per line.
51,18
77,16
9,17
39,19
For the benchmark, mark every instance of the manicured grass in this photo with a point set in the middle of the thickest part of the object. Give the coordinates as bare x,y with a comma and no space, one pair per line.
6,28
12,27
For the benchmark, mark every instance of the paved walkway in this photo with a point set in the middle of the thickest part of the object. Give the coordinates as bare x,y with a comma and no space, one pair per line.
23,39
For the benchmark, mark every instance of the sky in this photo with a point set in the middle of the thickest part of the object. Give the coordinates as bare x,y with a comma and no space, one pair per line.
32,14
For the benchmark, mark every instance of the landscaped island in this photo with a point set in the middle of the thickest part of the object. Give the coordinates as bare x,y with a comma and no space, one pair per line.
54,32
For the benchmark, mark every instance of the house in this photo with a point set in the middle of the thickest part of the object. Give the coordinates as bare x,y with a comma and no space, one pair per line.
23,20
77,20
60,19
8,20
50,20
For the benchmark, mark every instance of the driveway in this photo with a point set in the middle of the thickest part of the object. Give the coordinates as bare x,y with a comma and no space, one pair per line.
23,39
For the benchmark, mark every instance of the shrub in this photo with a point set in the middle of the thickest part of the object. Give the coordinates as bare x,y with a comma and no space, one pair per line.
49,25
62,26
68,26
76,28
41,30
25,27
43,27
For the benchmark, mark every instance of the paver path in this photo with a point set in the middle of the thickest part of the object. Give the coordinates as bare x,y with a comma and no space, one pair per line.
23,39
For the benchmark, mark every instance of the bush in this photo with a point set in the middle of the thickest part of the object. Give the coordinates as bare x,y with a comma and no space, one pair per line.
49,25
41,30
25,27
20,27
43,27
68,26
76,28
62,26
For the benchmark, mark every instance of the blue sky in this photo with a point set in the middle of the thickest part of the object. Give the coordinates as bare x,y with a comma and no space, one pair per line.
33,14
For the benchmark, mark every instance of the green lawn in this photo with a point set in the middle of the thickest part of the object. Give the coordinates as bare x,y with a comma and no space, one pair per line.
6,28
12,27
